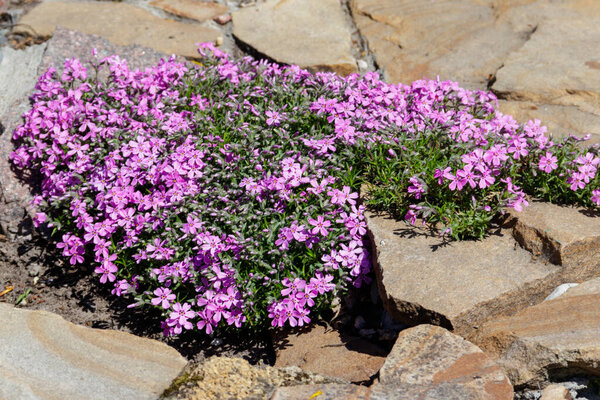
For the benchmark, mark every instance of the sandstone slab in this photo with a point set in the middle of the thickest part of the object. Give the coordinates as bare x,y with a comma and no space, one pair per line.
567,236
561,121
121,23
42,356
428,362
325,351
461,40
457,285
192,9
559,64
313,34
548,339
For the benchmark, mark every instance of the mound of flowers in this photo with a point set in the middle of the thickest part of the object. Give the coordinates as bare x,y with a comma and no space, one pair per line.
227,193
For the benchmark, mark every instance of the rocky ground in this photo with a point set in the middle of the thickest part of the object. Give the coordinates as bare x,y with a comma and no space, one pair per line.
485,328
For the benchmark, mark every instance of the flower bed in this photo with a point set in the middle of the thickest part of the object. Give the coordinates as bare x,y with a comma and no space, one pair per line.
226,194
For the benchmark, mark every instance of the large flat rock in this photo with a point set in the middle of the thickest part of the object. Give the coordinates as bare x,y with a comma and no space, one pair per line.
121,23
461,40
42,356
313,34
559,64
457,285
567,236
327,352
549,339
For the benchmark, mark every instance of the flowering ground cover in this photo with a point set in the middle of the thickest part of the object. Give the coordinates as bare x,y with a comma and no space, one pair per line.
227,193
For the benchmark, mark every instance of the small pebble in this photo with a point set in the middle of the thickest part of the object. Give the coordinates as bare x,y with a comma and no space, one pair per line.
219,41
362,65
223,19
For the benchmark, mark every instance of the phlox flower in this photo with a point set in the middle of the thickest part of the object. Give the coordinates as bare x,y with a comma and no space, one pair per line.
320,225
548,163
164,297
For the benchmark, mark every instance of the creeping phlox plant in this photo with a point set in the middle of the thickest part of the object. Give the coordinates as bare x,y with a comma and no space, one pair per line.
226,194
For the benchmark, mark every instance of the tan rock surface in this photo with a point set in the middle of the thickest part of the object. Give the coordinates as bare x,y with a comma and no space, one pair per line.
551,336
42,356
192,9
457,285
121,23
324,351
220,378
428,362
556,392
313,34
561,121
566,236
461,40
557,65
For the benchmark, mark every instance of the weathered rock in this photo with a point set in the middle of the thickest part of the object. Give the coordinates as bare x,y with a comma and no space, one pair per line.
567,236
429,362
549,338
18,75
192,9
121,23
313,34
461,40
234,378
325,351
457,285
322,392
556,392
561,121
43,356
558,65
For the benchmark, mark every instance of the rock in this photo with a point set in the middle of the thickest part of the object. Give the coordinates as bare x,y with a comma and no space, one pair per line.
461,40
566,236
322,392
192,9
325,351
559,64
43,356
554,337
223,19
121,23
428,362
234,378
556,392
560,290
18,75
359,322
457,285
561,121
313,34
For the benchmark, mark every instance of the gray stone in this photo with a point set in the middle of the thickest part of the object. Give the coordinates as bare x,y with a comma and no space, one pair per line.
428,362
313,34
559,335
18,75
121,23
457,285
42,356
556,392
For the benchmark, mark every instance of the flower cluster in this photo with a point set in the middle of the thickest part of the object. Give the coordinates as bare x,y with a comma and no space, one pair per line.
227,194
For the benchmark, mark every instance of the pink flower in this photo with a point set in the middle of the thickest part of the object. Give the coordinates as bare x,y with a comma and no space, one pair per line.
164,297
320,225
548,163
